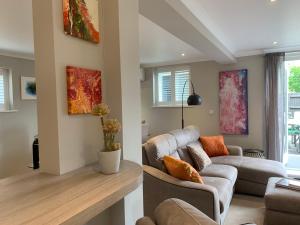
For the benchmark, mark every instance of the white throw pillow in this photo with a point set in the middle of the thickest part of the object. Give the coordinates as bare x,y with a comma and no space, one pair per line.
199,156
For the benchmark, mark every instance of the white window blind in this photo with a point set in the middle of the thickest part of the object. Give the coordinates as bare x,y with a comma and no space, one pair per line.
2,91
164,87
168,86
5,90
181,77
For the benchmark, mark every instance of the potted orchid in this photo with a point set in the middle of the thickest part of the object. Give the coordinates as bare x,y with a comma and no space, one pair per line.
109,158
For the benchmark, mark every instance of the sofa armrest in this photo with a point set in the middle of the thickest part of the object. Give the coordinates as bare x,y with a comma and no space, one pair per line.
159,186
235,150
145,221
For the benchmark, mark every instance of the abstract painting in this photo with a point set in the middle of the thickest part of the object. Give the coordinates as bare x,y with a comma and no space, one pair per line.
233,93
81,19
28,88
84,89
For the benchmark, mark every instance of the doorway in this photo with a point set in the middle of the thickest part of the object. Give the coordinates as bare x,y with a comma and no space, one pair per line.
293,121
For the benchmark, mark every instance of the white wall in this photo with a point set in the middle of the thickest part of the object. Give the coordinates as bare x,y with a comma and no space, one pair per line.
205,78
17,129
70,142
79,136
67,142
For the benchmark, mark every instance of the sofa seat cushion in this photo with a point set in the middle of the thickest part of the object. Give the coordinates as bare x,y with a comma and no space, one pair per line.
253,169
280,199
235,161
223,171
224,188
260,170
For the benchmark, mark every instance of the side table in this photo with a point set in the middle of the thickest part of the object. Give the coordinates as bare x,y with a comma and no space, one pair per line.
255,153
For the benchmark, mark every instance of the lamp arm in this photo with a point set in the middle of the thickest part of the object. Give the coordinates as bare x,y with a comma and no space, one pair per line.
182,120
193,87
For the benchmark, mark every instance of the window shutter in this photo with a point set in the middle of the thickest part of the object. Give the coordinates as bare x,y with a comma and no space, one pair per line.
164,87
2,91
181,76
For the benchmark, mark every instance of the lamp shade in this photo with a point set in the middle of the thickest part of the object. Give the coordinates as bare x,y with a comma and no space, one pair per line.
194,99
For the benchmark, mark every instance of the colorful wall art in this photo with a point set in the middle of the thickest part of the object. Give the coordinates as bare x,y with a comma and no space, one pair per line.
81,19
233,102
84,89
28,88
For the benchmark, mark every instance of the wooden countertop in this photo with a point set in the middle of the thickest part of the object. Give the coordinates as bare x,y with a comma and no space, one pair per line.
74,198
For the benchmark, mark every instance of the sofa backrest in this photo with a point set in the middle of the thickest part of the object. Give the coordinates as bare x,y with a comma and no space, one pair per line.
185,136
157,147
174,144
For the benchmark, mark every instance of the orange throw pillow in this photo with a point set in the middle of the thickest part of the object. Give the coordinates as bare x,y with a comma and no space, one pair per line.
181,170
214,146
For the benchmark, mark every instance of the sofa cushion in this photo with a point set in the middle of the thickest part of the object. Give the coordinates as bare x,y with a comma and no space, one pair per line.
186,135
199,156
280,199
235,161
224,188
177,212
260,170
156,148
181,170
185,155
214,170
253,169
214,145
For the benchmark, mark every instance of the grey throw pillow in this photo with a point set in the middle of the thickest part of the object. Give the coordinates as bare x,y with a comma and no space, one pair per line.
199,156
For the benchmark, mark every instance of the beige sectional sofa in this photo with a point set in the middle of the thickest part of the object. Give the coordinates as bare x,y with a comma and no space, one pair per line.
222,178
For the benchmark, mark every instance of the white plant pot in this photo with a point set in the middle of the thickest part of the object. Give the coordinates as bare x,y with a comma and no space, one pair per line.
109,162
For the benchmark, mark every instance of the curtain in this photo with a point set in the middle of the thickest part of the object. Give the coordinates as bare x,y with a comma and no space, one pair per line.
276,106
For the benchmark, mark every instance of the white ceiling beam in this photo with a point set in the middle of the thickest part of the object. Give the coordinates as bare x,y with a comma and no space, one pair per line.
176,18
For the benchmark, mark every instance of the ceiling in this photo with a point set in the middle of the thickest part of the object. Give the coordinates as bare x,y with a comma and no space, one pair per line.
16,36
201,29
243,28
252,25
159,46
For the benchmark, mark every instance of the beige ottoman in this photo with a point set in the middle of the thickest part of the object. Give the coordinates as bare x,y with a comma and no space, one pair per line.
282,205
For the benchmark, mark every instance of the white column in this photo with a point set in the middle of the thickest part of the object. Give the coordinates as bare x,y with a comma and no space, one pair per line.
66,142
121,60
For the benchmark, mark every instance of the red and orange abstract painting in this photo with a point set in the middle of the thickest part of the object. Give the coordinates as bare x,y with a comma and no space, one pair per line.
84,89
233,102
81,19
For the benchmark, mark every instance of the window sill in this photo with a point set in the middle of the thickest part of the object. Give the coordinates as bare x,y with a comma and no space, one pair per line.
174,106
9,111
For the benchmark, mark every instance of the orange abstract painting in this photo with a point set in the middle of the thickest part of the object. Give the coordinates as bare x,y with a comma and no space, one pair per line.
81,19
84,89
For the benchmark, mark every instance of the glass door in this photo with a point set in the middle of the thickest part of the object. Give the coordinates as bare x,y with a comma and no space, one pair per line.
292,158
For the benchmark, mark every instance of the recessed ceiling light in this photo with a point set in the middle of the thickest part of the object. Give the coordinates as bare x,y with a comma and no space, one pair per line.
273,0
182,54
275,43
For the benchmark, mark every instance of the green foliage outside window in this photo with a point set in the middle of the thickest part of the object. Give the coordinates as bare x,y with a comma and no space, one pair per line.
294,80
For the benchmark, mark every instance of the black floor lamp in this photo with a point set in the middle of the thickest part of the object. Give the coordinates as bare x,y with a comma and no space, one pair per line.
193,99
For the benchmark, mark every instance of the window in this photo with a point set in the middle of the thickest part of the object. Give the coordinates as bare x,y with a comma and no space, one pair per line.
5,90
168,86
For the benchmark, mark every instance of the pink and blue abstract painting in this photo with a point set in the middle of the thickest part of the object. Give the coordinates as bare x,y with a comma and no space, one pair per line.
233,93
